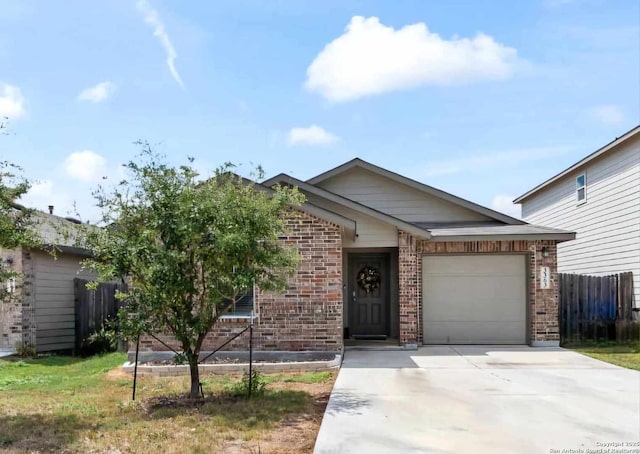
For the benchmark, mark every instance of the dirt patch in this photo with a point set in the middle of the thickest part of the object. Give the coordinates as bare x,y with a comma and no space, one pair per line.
118,374
296,434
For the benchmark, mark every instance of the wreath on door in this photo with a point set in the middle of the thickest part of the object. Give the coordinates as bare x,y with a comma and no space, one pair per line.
368,279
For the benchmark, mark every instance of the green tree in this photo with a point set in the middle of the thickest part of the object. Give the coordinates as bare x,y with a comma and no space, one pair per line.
190,248
15,220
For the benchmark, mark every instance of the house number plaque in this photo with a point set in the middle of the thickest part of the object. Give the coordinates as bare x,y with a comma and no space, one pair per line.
545,278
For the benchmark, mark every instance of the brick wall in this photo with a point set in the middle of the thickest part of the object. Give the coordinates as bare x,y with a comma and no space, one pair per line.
308,314
17,312
543,304
11,307
409,288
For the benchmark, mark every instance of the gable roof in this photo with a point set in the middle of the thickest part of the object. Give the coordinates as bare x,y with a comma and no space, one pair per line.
426,189
55,232
355,206
327,215
599,152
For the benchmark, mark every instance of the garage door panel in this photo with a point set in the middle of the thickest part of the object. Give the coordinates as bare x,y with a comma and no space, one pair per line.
474,286
473,333
481,311
469,264
474,299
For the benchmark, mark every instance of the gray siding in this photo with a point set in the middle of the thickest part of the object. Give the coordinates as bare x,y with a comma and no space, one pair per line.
607,226
371,232
55,300
396,199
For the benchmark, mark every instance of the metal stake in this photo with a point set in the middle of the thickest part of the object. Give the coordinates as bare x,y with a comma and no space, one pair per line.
135,368
250,355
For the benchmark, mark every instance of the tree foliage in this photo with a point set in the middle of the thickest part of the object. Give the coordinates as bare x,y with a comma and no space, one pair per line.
190,248
15,221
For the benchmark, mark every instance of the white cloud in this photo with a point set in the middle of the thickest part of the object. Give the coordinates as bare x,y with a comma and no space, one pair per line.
11,101
484,161
609,115
371,58
313,135
504,204
86,166
98,92
152,18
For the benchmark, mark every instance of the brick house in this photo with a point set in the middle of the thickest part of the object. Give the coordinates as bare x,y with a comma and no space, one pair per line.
388,258
41,309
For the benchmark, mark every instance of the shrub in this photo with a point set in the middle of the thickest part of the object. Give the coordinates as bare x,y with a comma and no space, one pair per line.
26,350
103,340
258,384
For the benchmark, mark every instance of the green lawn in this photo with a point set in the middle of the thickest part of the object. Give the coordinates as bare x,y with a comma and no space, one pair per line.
65,404
625,355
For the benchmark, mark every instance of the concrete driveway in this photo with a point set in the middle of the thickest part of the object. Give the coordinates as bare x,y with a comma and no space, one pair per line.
478,399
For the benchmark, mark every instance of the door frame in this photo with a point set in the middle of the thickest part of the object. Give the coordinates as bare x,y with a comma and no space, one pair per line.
392,312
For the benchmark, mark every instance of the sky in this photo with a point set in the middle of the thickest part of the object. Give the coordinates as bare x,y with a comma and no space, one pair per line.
482,99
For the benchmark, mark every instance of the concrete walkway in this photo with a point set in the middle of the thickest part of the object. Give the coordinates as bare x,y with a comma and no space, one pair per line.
477,399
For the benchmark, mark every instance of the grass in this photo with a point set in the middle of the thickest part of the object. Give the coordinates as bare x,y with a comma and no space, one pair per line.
65,404
621,354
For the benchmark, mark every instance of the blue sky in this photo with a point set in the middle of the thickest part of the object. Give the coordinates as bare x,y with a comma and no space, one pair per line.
483,99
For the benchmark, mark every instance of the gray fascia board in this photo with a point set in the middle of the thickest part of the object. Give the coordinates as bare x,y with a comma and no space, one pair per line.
596,154
522,237
66,249
409,228
357,162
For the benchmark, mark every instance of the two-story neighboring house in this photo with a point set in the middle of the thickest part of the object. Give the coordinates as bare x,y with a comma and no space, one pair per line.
599,199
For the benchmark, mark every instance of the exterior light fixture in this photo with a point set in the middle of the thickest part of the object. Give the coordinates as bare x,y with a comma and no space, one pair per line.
545,252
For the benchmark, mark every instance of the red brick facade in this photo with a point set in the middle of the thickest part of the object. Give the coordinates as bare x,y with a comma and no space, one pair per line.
308,314
17,314
409,288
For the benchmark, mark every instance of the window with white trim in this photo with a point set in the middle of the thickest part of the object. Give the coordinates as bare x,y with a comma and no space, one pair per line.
243,308
581,189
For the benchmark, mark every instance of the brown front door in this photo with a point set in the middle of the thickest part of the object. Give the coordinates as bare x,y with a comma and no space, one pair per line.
369,294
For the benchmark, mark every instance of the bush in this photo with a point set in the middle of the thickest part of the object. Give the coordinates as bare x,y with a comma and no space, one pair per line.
104,340
26,350
258,384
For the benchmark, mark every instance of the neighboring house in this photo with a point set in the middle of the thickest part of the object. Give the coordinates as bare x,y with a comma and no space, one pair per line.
41,312
386,257
599,199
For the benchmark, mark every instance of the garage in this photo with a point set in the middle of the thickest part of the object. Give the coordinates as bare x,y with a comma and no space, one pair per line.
474,299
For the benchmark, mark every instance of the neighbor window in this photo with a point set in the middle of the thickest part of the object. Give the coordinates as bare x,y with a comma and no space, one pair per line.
243,308
581,189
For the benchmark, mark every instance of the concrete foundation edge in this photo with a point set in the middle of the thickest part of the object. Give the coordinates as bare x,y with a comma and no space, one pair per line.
269,368
545,343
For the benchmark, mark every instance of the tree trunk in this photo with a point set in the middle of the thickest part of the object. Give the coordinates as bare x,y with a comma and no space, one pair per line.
195,376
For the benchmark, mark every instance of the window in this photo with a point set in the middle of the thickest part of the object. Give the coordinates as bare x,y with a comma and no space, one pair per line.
243,308
581,189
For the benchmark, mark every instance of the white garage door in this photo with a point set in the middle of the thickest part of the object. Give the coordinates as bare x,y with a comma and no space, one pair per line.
474,299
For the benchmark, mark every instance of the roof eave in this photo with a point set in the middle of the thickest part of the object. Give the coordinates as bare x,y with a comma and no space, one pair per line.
559,237
596,154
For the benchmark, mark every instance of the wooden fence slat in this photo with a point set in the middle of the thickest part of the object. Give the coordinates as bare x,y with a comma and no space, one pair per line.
93,308
596,307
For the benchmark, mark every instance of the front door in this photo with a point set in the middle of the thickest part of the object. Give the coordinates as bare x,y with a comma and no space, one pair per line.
369,294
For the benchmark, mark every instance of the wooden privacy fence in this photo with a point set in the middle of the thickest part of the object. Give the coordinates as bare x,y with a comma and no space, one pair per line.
93,307
597,307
